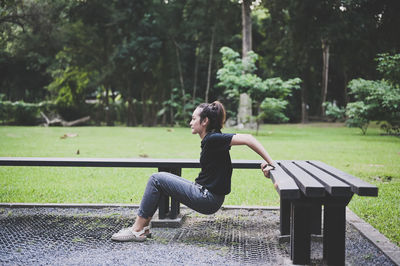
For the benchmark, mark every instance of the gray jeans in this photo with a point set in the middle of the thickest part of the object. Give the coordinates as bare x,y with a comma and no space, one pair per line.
186,192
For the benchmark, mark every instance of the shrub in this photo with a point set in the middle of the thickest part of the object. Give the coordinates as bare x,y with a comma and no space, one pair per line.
377,100
273,110
335,112
357,116
22,113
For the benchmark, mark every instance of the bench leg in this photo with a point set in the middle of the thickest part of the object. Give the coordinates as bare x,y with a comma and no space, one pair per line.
175,209
316,216
334,234
164,209
285,217
163,206
300,238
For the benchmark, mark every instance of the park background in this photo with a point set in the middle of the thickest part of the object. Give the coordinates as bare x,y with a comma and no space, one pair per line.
147,64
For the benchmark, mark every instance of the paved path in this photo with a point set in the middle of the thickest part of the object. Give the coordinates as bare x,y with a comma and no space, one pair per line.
71,236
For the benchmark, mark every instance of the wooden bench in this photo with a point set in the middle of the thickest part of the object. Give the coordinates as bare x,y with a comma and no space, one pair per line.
318,184
303,187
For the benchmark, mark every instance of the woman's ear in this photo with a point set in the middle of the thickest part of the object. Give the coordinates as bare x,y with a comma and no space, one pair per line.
205,121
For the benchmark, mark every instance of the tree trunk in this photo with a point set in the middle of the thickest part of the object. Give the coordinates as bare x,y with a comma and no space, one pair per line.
107,101
144,108
131,119
246,28
196,68
164,116
304,105
154,110
129,113
178,59
60,122
76,122
258,120
210,64
246,43
325,71
345,81
196,72
304,109
171,113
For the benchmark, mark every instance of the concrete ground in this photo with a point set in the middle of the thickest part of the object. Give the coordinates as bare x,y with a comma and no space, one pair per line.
65,235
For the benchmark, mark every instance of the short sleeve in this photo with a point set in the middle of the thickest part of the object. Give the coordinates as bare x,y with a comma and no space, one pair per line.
220,141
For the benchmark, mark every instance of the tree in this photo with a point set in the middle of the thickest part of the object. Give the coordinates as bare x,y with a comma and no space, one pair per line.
269,95
247,39
246,28
140,51
29,41
355,30
377,100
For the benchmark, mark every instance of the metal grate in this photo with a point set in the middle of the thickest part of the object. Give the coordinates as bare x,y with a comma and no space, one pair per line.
56,236
245,237
47,237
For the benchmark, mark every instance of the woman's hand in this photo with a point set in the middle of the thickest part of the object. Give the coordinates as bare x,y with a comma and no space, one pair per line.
266,168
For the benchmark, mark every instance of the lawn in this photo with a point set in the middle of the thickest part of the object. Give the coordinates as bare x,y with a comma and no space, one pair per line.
372,157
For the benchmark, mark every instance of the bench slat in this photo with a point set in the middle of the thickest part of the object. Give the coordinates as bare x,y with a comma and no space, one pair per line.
358,186
112,162
285,185
334,186
308,185
97,162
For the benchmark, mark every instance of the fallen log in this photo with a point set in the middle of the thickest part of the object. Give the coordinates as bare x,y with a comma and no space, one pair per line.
60,122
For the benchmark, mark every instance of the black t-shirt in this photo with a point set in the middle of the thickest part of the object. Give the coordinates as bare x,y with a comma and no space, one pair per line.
215,161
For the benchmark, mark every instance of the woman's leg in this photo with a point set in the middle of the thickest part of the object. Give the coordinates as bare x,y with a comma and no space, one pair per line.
141,223
182,190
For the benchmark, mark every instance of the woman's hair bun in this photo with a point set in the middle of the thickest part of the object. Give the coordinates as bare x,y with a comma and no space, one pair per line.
215,112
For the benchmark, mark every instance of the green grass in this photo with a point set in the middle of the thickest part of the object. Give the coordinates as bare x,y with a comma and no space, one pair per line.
372,157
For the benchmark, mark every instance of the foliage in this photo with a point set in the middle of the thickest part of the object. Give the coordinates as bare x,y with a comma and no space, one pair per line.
236,75
22,113
29,40
390,129
269,95
69,86
273,110
374,101
276,87
389,67
335,112
174,108
357,116
286,51
377,100
73,48
145,49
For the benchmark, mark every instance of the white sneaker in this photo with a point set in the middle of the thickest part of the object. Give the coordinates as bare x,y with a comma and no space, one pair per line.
128,234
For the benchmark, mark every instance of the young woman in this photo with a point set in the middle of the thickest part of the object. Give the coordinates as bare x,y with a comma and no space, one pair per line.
207,193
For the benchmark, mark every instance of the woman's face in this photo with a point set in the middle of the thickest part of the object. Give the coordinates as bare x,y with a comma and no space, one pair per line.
195,124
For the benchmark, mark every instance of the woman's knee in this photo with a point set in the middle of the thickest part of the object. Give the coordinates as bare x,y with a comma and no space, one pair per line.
157,178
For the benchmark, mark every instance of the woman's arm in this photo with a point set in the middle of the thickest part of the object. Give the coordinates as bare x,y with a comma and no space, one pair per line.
255,145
